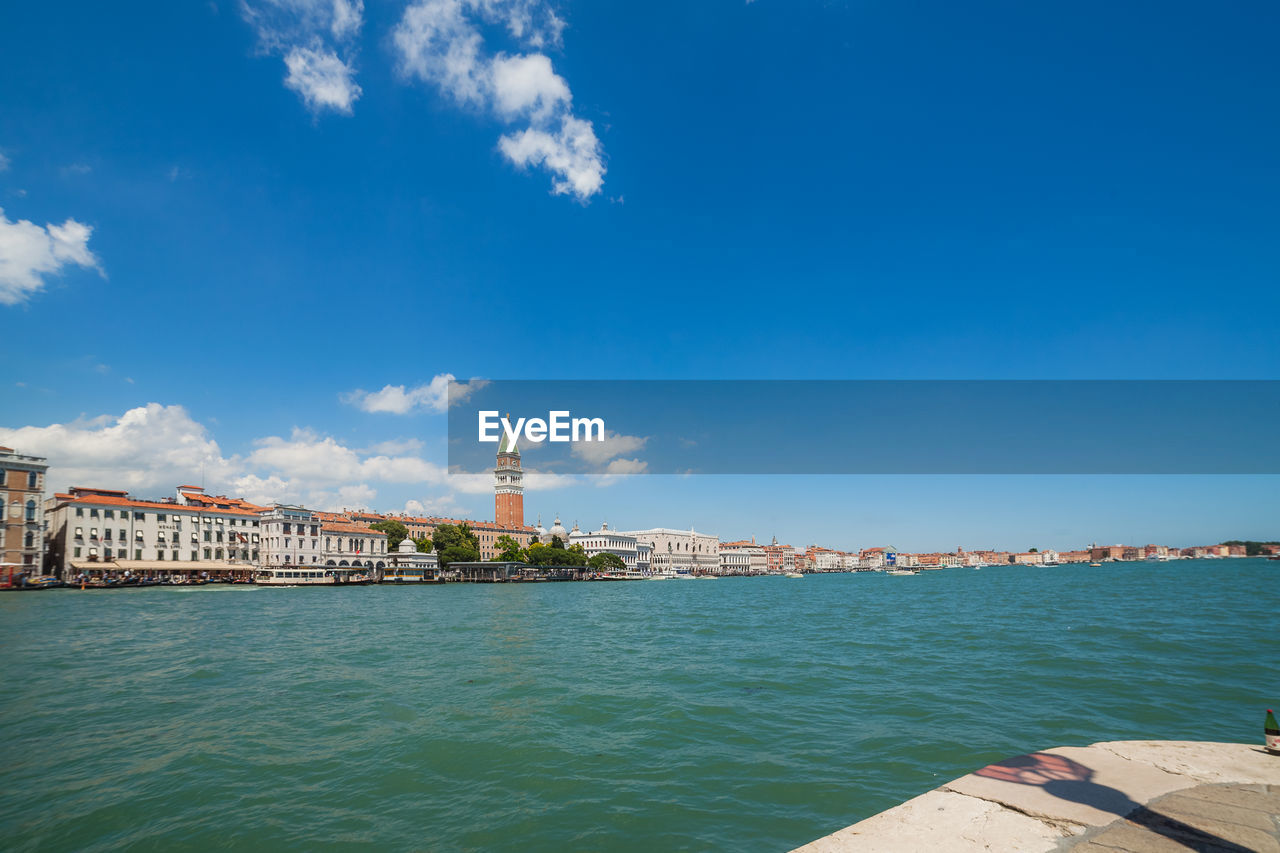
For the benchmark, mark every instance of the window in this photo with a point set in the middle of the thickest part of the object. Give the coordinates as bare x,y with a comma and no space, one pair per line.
195,537
77,553
93,533
194,557
139,516
159,535
93,512
32,479
106,553
206,553
122,536
195,519
217,553
160,516
137,554
108,513
175,555
79,532
138,536
79,512
287,527
159,555
207,536
106,534
29,541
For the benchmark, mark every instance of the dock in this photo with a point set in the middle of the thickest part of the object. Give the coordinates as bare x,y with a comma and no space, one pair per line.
1137,796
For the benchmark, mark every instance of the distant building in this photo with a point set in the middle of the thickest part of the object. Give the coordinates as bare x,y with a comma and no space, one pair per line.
350,545
680,550
409,565
743,557
22,519
606,541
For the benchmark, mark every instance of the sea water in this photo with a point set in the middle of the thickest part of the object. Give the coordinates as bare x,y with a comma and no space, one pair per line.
745,713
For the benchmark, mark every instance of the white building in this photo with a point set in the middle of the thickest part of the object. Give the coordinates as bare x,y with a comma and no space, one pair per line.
291,536
606,541
743,558
679,550
409,565
347,545
107,530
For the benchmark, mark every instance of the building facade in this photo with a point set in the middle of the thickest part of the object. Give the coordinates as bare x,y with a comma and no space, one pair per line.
680,550
22,518
606,541
95,529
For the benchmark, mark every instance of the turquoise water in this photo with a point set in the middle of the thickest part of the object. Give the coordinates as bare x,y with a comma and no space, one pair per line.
752,713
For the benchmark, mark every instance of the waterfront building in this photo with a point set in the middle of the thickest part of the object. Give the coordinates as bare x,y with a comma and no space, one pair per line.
99,530
606,541
744,557
353,546
290,536
22,516
644,552
779,558
409,565
680,550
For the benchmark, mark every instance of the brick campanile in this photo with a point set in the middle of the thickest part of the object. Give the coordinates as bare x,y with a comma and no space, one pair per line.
508,487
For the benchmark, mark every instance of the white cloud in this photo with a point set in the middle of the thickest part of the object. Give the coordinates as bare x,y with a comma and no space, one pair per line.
572,154
317,39
29,253
436,395
4,162
440,43
626,466
614,444
149,449
526,84
322,79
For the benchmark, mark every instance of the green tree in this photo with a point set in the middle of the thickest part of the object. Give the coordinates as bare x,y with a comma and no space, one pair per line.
395,530
509,550
1034,551
455,543
556,542
424,545
606,562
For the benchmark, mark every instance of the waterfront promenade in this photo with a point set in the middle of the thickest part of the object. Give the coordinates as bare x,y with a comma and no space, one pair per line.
1139,796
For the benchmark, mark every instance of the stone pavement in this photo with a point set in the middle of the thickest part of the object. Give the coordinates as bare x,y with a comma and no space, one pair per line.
1139,796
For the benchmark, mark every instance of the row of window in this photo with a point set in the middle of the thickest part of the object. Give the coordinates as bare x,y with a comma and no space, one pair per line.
209,536
164,516
123,554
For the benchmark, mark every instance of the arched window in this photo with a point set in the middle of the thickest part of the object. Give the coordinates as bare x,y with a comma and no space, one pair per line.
29,541
31,510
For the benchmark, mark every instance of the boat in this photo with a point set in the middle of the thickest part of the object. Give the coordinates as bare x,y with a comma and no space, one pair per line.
902,572
706,577
1095,565
293,576
684,576
793,575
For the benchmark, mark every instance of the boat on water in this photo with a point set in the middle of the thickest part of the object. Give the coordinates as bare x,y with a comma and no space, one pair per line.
1095,565
296,576
793,575
707,577
902,572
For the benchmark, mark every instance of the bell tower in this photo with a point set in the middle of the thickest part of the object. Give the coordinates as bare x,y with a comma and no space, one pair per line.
508,486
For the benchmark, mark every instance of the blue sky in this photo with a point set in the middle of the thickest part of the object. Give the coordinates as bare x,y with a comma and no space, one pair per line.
748,190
